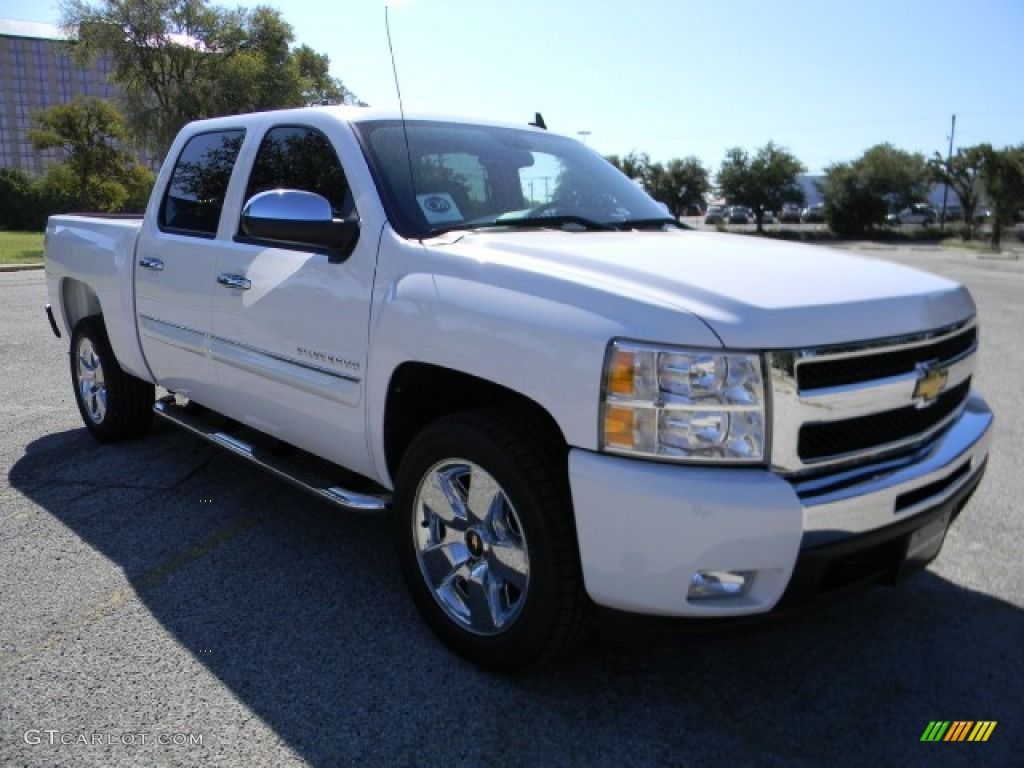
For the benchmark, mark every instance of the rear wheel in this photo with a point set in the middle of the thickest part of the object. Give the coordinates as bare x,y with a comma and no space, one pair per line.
114,405
484,528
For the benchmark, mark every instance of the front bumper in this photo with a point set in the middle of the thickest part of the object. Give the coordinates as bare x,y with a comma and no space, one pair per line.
646,528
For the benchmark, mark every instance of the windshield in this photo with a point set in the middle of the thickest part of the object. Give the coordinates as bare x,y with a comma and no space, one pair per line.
476,176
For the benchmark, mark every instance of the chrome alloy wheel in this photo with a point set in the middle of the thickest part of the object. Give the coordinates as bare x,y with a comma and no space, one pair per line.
470,546
92,387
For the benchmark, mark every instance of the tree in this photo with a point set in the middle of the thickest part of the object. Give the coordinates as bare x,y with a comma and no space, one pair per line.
318,87
97,166
763,182
962,172
636,165
20,201
679,184
859,194
899,176
181,60
851,204
1003,175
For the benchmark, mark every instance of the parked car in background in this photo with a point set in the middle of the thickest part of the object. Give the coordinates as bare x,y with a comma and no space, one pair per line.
813,214
790,213
715,215
767,217
739,214
918,213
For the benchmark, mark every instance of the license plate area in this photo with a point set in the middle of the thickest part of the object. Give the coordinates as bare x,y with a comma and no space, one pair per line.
924,543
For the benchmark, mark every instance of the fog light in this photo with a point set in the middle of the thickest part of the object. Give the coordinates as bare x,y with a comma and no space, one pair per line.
707,585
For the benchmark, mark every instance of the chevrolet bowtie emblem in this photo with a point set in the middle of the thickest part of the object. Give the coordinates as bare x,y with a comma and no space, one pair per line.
930,384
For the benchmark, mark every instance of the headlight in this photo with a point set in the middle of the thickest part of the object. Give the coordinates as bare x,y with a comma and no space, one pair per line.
683,404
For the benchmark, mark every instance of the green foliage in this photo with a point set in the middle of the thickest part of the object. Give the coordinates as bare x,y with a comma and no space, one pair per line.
851,205
679,183
900,177
138,184
182,60
21,204
962,172
635,165
859,194
762,182
1003,175
98,173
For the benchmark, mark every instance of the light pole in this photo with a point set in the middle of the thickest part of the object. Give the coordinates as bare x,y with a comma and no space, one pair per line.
583,135
945,188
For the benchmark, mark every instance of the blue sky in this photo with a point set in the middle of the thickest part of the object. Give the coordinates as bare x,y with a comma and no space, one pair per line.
826,79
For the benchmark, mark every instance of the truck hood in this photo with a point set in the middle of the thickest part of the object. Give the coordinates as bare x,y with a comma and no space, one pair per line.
753,293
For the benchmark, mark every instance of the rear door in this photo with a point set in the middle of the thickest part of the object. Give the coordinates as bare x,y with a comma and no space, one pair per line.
289,327
175,263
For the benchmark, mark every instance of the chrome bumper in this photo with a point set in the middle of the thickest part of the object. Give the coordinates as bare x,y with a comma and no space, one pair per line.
844,504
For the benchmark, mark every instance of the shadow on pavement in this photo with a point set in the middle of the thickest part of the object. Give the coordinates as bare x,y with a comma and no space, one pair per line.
310,628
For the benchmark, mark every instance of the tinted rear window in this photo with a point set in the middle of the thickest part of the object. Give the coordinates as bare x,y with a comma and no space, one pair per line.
195,195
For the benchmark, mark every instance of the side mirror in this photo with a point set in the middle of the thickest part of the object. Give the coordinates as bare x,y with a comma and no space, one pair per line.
292,216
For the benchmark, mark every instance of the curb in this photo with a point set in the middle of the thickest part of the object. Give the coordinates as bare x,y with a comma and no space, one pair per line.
20,267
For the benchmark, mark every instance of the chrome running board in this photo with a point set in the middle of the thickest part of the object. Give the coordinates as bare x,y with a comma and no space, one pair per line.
308,472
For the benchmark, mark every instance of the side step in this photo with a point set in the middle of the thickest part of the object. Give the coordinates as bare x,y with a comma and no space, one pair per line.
311,473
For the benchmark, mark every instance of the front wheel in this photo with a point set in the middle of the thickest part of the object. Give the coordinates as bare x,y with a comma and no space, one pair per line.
484,528
114,405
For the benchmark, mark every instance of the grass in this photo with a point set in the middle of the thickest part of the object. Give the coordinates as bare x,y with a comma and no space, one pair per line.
21,248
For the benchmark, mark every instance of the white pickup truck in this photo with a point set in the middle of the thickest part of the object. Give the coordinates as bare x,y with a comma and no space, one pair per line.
577,413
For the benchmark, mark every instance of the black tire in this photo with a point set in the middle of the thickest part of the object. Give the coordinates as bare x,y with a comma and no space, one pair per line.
114,405
519,566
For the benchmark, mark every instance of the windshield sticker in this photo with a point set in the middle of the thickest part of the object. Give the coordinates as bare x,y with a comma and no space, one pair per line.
439,208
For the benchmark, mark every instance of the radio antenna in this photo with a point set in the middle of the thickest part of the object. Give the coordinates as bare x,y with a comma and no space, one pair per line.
401,108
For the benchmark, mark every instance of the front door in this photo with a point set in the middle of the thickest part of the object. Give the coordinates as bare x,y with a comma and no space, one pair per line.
289,328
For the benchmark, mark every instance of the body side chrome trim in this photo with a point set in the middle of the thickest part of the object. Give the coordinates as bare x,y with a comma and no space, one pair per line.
342,387
179,336
228,344
296,374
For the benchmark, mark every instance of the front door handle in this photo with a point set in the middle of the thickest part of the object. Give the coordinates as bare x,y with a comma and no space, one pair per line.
148,262
234,281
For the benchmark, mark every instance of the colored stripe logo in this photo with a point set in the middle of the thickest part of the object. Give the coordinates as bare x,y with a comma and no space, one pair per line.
959,730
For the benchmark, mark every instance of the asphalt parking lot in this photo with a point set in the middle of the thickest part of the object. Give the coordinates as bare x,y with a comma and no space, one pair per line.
162,603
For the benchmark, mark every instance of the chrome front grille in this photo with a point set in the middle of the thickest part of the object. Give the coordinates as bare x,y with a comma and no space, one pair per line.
823,440
854,404
817,373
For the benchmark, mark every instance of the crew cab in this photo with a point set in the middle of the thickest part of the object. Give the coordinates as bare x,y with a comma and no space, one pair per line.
576,412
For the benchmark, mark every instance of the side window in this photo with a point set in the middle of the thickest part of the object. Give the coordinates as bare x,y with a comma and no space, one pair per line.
195,195
298,157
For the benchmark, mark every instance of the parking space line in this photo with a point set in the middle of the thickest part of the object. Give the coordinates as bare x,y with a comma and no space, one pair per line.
123,595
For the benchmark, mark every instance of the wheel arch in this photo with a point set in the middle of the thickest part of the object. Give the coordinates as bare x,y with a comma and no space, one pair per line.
77,300
420,393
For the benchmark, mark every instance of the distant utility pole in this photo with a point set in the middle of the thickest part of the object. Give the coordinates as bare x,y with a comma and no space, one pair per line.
584,135
945,188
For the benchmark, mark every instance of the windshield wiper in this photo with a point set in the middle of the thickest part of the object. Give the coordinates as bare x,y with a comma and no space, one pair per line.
568,223
647,223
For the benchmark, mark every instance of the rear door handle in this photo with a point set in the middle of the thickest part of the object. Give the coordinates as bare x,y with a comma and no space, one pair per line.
234,281
149,262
